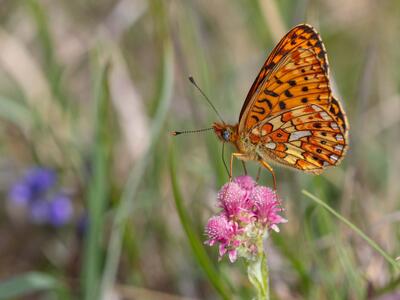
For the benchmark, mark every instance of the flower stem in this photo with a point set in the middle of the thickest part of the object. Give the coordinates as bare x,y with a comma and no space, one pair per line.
257,271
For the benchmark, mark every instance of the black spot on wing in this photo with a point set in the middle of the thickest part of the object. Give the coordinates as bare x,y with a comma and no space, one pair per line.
278,81
270,93
341,117
288,94
259,109
266,101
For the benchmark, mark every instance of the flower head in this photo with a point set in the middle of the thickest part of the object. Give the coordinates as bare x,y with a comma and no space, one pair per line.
248,212
40,180
60,210
220,230
267,207
38,195
233,199
245,182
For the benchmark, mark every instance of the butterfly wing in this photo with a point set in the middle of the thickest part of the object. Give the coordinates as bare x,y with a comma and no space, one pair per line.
290,111
296,68
308,138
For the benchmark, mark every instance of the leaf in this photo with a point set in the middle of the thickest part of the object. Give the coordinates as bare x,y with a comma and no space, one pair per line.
26,284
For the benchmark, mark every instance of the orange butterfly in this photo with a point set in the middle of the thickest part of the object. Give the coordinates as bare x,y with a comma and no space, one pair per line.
290,115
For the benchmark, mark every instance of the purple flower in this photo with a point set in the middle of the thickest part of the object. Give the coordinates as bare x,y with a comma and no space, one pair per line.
20,194
249,211
39,212
40,180
60,210
38,194
32,186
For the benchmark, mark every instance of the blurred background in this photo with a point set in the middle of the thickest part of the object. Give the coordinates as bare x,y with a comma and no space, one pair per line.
98,201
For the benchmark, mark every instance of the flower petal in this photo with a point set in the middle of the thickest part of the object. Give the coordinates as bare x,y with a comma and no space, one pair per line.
233,199
232,255
245,182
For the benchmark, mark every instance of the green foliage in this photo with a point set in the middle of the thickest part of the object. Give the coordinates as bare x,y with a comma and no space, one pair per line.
26,284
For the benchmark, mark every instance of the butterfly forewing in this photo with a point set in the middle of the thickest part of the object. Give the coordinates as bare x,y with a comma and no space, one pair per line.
300,37
290,112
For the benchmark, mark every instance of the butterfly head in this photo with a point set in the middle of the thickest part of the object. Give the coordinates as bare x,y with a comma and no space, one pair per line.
226,133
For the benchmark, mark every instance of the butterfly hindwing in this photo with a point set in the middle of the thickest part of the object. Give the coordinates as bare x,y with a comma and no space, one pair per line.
307,138
336,109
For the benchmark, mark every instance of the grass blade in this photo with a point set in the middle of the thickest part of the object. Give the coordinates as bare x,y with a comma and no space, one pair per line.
98,190
52,67
125,206
197,247
25,284
357,230
15,112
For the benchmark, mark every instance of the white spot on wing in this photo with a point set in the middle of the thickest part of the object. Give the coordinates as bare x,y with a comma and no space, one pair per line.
339,147
339,137
334,157
326,164
255,131
325,116
334,126
316,107
270,145
299,134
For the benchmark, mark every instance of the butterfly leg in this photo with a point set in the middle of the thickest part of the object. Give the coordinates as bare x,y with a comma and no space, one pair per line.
267,166
258,174
244,167
237,155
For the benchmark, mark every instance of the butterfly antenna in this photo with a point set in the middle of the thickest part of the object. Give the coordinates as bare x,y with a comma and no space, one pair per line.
205,97
174,133
223,159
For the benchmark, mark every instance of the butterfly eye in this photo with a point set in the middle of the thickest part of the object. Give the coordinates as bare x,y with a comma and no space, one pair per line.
226,135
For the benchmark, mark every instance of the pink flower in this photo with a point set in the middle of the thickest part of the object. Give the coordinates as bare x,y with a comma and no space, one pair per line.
245,182
220,229
233,199
249,211
267,207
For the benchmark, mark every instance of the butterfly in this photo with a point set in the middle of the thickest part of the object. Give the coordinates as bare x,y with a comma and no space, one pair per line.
290,115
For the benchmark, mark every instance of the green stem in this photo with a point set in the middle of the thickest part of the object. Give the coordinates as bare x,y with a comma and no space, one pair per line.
258,273
372,243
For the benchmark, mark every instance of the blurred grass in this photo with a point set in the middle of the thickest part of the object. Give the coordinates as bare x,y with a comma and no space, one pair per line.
27,283
216,279
126,204
98,186
52,68
359,232
56,110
